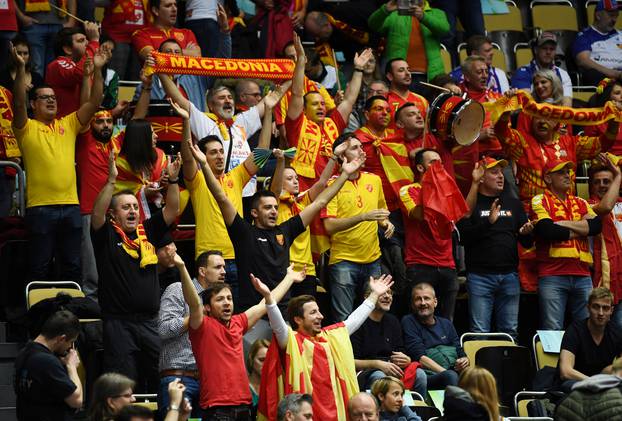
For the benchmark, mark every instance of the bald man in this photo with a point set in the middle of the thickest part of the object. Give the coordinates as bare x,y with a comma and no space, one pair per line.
363,407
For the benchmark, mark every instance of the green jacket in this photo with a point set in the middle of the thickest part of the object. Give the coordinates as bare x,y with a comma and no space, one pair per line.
396,28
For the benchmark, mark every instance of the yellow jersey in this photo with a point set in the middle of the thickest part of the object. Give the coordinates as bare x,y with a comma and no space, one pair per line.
300,250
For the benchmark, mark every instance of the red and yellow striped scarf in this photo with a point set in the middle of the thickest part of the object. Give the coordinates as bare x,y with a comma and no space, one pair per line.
139,248
8,146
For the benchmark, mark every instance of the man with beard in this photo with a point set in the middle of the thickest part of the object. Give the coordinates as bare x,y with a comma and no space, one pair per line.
398,74
307,126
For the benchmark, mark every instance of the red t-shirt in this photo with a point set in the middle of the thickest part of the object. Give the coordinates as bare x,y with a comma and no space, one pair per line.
92,166
599,130
154,37
396,101
8,18
220,358
423,246
65,76
293,130
116,24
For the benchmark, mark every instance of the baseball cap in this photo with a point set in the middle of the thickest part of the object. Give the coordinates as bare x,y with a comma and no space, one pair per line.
606,5
489,162
557,165
546,37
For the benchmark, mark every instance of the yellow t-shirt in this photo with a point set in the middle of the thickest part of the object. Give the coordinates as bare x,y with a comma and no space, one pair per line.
300,250
49,153
211,231
358,244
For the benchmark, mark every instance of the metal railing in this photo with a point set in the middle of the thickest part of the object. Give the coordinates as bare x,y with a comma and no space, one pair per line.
21,185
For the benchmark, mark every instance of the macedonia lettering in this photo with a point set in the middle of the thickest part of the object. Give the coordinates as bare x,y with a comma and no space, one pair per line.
272,69
577,116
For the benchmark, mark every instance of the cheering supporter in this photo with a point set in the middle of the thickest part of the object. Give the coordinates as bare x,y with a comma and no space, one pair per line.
111,392
607,90
490,235
399,77
53,215
590,345
604,181
363,406
121,19
8,73
352,219
379,349
548,88
295,407
390,394
306,349
292,202
428,252
415,36
531,148
211,229
216,338
64,74
41,24
46,372
307,125
596,49
432,340
544,48
254,364
475,398
176,358
562,224
480,45
263,248
129,288
150,38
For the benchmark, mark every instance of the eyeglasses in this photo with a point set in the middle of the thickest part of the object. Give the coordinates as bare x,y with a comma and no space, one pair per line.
47,97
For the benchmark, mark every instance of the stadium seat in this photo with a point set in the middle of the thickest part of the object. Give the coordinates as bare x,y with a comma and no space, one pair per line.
555,15
590,6
99,14
425,411
511,21
415,396
472,342
522,398
583,93
506,40
40,290
498,59
545,359
446,57
523,54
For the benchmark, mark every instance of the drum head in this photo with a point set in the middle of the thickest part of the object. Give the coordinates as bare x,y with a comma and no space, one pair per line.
468,123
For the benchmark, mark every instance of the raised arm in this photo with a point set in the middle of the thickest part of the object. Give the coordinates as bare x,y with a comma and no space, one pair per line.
471,199
20,115
86,110
257,311
279,91
269,102
319,186
352,91
85,88
226,207
378,286
169,87
610,198
191,296
296,101
100,207
171,209
142,105
189,164
276,184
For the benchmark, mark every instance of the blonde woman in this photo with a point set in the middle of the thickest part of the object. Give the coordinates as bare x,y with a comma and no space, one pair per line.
482,387
390,394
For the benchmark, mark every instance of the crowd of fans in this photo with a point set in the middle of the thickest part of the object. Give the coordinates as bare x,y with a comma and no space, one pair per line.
329,290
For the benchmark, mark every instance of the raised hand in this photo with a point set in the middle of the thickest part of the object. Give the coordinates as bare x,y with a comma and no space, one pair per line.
173,167
339,97
495,210
278,154
99,59
88,68
606,161
300,50
176,392
380,285
112,168
260,287
341,149
478,173
360,60
197,153
19,60
91,29
223,19
183,113
271,99
297,276
353,166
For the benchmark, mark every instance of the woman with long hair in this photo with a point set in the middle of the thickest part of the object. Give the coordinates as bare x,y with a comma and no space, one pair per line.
142,166
547,87
390,394
482,387
607,90
111,392
7,76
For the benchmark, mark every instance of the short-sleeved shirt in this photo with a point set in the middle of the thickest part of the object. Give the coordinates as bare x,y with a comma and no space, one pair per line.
8,17
42,384
424,246
211,231
120,29
377,340
152,36
220,358
92,165
262,252
396,101
604,48
125,288
244,125
590,358
358,244
300,251
571,257
49,153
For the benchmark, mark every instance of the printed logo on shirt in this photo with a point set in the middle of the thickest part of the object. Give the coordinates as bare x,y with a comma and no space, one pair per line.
262,239
61,130
502,212
280,239
369,188
179,36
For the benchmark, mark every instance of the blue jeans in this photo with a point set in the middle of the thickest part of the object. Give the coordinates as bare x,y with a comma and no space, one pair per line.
348,278
421,381
54,231
231,277
41,38
191,392
207,33
439,381
498,292
553,294
89,264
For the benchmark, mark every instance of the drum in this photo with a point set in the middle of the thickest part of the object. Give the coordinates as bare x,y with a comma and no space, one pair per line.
453,116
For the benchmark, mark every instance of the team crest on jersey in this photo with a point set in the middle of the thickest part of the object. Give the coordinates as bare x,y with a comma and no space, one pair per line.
230,184
61,130
280,239
179,36
369,188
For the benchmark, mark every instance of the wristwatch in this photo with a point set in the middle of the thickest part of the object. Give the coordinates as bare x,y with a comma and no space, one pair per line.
173,407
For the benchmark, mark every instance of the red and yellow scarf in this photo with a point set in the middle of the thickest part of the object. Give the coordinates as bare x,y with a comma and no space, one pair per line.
139,248
43,6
